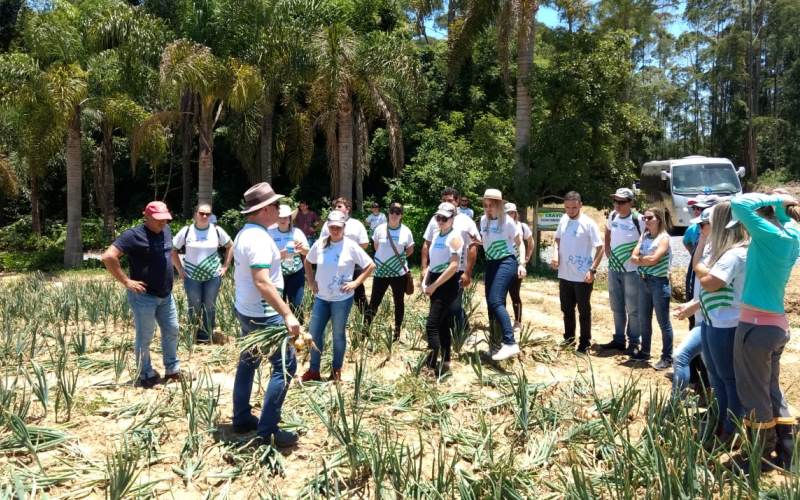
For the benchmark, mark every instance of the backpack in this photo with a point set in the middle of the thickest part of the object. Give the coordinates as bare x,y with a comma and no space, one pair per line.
634,217
220,248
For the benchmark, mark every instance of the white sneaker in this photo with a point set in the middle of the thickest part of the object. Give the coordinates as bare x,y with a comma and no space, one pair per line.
517,327
505,352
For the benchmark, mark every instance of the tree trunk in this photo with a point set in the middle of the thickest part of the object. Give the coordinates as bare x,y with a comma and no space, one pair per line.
451,13
345,141
525,40
104,180
265,142
360,154
205,164
36,209
73,247
187,120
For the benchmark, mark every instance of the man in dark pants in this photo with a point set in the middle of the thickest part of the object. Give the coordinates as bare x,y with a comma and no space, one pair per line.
577,253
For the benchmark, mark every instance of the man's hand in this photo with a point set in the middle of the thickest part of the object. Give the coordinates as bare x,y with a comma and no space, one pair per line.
589,278
292,325
521,271
136,286
465,280
429,290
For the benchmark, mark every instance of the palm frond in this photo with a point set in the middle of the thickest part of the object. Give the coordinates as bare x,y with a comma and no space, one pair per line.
9,183
478,15
149,138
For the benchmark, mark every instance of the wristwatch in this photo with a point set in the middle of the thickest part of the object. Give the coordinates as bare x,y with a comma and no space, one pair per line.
593,271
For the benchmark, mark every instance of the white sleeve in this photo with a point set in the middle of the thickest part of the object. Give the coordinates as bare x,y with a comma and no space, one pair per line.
473,231
300,236
727,267
224,239
363,237
409,238
526,231
430,230
595,233
324,231
560,227
378,231
313,254
360,257
179,240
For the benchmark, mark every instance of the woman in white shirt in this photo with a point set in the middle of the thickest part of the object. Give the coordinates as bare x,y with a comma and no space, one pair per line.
440,283
393,244
293,245
500,240
333,285
202,268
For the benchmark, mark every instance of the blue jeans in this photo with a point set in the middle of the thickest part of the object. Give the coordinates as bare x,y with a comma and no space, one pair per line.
682,360
147,310
718,356
293,289
497,280
278,380
623,293
655,293
337,312
202,298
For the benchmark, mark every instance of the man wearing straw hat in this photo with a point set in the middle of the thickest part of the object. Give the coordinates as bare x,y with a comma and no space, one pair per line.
149,250
258,303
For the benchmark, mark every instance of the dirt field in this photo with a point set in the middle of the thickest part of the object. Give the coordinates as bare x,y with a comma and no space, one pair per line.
462,403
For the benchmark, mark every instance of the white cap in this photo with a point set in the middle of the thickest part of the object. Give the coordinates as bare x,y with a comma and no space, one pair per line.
492,194
284,211
336,218
446,209
510,207
705,216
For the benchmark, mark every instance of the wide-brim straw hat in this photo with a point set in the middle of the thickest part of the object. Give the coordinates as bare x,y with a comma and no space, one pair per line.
493,194
259,196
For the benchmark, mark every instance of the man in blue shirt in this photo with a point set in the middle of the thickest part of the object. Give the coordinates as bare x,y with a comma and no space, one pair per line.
149,250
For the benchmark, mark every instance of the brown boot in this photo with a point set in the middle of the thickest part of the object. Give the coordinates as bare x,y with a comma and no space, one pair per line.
336,375
311,375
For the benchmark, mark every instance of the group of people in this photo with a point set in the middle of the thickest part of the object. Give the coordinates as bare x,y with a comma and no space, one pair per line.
745,250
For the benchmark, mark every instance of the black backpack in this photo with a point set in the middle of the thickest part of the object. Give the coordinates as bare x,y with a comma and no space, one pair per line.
634,217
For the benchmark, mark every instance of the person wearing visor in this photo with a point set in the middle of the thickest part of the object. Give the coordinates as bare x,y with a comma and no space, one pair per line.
293,246
334,283
393,243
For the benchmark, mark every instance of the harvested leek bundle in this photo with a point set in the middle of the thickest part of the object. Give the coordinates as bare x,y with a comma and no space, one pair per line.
267,340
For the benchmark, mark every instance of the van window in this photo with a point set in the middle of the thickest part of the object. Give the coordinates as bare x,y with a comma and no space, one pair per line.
721,178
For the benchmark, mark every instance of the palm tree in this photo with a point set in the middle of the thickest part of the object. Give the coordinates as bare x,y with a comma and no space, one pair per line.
511,17
188,66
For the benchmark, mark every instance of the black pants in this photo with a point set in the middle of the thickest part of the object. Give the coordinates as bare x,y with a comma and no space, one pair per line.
360,293
379,287
689,284
439,322
573,293
516,300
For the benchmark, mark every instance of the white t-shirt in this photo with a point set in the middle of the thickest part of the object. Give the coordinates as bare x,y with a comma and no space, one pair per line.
253,248
578,240
387,264
375,220
698,315
335,265
467,211
498,239
721,308
294,262
467,230
202,261
442,248
353,229
624,237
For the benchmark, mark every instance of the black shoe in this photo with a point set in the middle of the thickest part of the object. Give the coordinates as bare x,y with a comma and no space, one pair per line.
278,439
583,349
148,383
640,356
612,346
568,342
248,425
632,350
202,338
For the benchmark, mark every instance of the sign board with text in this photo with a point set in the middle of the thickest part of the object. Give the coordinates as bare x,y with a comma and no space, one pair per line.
547,218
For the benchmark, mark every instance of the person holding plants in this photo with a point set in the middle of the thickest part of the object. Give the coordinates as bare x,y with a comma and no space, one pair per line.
202,268
652,255
577,253
258,288
440,283
524,252
393,243
334,284
763,328
500,239
721,278
149,250
293,246
355,231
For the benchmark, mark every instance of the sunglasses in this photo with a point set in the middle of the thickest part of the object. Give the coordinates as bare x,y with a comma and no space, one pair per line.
204,214
395,211
697,209
649,217
704,223
442,218
621,202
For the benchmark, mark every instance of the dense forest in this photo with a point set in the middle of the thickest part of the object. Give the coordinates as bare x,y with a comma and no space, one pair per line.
107,104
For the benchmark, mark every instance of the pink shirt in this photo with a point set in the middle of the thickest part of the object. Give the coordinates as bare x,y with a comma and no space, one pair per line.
764,318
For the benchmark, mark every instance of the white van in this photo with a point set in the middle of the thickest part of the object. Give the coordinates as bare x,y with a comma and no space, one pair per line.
670,184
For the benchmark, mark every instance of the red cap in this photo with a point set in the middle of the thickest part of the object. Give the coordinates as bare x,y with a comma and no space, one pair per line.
157,210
